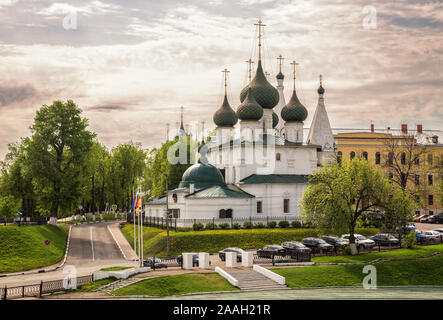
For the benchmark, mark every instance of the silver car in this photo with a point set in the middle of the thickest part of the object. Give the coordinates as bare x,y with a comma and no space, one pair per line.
361,241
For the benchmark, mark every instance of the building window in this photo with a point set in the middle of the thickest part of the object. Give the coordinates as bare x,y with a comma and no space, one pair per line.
286,205
277,157
229,213
339,156
365,155
430,179
377,158
352,155
259,207
174,197
417,161
174,213
431,212
430,159
390,158
403,158
431,200
417,179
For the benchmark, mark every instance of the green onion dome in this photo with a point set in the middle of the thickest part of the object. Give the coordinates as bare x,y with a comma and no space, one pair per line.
225,116
321,90
202,176
294,111
274,119
249,109
264,93
280,76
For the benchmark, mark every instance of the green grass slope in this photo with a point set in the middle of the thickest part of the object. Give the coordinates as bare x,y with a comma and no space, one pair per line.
428,271
177,284
22,248
215,240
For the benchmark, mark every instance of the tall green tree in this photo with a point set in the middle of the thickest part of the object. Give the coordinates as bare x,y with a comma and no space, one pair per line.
339,195
57,150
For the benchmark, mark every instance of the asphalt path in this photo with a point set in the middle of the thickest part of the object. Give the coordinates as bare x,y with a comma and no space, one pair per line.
91,248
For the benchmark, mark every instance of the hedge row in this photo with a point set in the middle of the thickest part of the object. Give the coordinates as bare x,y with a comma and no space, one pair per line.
215,240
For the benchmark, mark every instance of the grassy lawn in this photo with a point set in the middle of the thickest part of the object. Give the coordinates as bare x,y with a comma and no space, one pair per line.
22,248
95,285
177,284
427,271
115,268
216,240
416,252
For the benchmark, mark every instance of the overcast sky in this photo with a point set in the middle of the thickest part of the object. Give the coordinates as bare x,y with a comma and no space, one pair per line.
131,64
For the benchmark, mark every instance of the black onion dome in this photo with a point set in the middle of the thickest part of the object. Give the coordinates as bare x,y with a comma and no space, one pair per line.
249,109
294,111
321,90
274,119
264,93
225,116
280,76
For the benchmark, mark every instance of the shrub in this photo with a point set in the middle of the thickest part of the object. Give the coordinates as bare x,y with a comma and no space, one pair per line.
409,240
260,225
224,225
197,226
235,225
346,249
283,224
272,224
247,225
307,224
296,224
210,226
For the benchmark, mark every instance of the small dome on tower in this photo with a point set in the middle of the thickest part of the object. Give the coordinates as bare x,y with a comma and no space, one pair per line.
225,116
321,90
294,111
274,119
280,76
249,109
264,93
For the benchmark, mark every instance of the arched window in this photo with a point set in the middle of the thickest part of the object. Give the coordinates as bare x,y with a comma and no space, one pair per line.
403,158
365,155
352,155
277,156
339,156
377,158
222,213
229,213
390,158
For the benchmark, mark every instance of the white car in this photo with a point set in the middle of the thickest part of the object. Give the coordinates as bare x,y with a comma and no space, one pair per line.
434,235
438,230
361,241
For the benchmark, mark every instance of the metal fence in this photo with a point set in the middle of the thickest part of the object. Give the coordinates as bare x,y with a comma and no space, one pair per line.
37,290
24,221
159,263
279,259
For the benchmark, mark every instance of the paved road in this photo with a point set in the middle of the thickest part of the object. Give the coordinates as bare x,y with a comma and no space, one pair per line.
428,226
91,248
415,293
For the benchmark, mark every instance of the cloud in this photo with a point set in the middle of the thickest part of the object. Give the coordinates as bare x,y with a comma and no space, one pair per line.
9,95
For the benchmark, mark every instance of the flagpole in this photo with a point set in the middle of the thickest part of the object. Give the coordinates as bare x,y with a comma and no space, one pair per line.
133,218
143,220
139,230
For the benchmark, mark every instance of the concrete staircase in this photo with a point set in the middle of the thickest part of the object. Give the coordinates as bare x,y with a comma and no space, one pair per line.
118,284
251,280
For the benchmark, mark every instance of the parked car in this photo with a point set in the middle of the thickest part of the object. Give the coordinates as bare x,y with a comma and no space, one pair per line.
317,245
418,218
361,241
422,237
438,230
270,250
194,259
156,263
385,239
438,218
335,241
427,219
295,247
239,252
433,235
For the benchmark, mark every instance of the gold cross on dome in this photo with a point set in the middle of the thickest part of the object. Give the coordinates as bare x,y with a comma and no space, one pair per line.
249,62
260,25
225,72
280,58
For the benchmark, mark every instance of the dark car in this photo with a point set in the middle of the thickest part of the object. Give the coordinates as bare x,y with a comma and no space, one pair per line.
317,245
154,263
385,239
271,250
438,218
335,241
239,252
295,248
194,260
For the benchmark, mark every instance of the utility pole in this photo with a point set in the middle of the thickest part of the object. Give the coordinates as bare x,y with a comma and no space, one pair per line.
167,218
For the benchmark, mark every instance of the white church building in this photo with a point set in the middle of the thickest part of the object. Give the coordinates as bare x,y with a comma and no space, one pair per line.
259,161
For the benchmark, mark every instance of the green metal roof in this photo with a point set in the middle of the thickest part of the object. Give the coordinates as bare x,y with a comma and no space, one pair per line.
228,191
157,201
202,176
225,116
275,178
249,109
